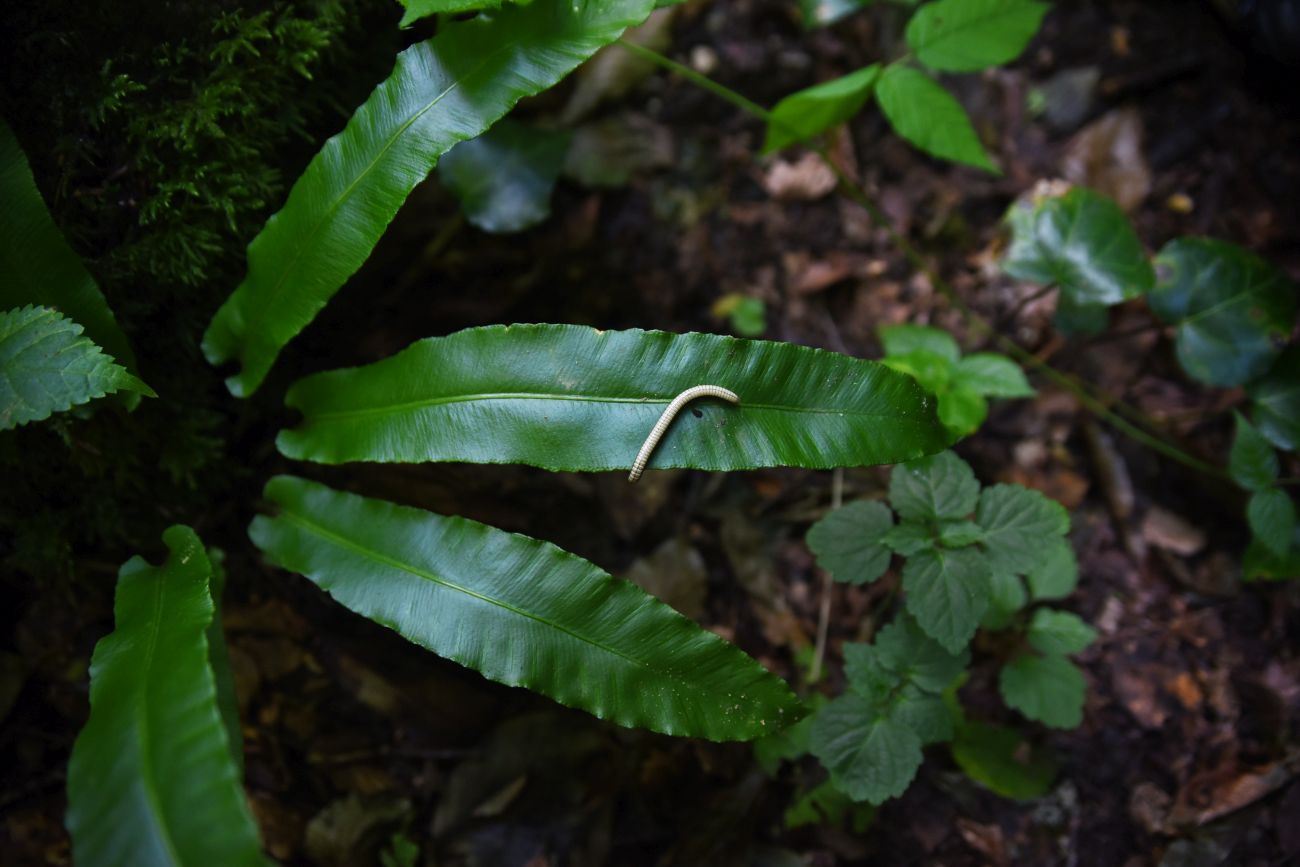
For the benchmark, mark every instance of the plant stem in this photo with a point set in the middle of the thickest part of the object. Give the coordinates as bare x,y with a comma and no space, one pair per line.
978,323
828,587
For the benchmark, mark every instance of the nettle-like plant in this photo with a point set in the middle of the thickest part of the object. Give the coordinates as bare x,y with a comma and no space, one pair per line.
1231,313
972,558
155,774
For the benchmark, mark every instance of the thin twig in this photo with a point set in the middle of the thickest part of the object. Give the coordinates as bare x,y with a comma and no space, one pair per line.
828,587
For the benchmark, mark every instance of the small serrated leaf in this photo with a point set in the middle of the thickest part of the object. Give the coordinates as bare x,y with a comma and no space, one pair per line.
947,592
1018,523
908,538
847,541
904,648
933,488
924,713
871,756
1060,632
1049,689
1058,573
1006,597
959,534
47,366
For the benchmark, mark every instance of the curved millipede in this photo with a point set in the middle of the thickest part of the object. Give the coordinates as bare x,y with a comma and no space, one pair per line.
638,466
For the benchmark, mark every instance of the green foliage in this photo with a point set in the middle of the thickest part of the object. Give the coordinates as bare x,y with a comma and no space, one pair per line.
1272,518
925,114
443,91
505,177
47,366
417,9
931,356
814,110
1080,242
1002,760
1232,309
151,779
522,612
970,35
749,317
1046,688
1276,401
36,264
847,541
1251,461
568,397
948,36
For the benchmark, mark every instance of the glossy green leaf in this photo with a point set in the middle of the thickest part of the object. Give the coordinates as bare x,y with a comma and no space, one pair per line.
442,91
219,660
968,35
872,754
933,488
1000,759
814,110
151,780
417,9
905,339
37,266
1060,632
846,541
568,397
1252,462
1232,309
992,375
1272,518
1081,242
505,177
947,592
522,612
1056,576
1018,526
925,114
1276,398
47,366
1049,689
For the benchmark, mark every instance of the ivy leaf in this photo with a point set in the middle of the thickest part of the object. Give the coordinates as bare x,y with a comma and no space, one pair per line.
505,177
927,116
1276,398
969,35
1059,632
47,366
847,541
151,779
1018,524
947,592
442,91
904,648
1233,309
905,339
814,110
991,375
521,612
1081,242
908,538
1000,759
1252,462
933,488
1049,689
1058,573
38,267
1272,518
568,397
872,756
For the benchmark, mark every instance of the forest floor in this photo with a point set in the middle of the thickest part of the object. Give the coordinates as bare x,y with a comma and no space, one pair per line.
1188,753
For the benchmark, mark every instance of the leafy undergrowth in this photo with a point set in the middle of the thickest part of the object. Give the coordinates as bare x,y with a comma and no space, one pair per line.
360,746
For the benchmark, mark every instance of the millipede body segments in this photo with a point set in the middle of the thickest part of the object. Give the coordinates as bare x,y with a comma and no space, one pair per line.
661,426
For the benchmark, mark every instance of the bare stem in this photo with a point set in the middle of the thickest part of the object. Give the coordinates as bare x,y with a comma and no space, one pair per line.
828,587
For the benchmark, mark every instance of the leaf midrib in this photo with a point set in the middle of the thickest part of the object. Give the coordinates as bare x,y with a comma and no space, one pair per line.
142,723
588,398
358,548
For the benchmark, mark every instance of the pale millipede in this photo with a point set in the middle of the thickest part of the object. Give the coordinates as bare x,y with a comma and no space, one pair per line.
643,456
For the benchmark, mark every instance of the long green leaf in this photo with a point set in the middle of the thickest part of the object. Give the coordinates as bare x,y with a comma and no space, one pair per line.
443,91
522,612
568,397
47,366
36,264
151,780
